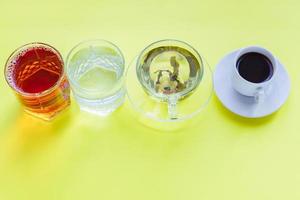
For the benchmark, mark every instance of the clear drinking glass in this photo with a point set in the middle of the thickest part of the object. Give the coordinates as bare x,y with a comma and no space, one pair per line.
35,72
95,69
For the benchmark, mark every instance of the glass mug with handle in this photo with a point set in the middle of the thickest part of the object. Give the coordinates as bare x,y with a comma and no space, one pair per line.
169,71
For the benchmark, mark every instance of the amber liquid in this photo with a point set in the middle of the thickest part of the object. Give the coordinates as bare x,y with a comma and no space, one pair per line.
37,75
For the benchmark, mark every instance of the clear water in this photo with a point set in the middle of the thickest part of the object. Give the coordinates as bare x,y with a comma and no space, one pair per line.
98,78
97,72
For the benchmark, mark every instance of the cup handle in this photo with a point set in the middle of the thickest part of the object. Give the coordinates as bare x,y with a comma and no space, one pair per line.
259,95
172,107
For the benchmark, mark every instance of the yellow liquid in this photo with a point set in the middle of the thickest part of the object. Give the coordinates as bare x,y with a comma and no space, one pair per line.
169,70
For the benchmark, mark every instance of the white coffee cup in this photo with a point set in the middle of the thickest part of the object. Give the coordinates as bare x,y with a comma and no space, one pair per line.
251,89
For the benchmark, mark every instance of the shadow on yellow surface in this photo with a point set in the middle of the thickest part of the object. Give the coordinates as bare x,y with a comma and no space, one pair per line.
242,121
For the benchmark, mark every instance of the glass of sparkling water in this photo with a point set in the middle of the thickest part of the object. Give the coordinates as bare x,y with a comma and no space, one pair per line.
95,70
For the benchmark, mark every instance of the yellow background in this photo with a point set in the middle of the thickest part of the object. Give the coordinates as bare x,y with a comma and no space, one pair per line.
81,156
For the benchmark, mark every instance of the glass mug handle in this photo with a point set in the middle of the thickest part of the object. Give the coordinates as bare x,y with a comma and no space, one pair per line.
172,107
259,95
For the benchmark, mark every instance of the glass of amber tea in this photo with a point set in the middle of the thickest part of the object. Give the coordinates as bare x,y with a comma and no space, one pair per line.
35,72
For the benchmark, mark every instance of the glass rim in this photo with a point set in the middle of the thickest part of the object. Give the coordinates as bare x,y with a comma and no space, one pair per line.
68,58
176,41
27,46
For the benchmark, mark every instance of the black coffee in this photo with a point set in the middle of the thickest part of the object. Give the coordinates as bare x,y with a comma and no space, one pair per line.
255,67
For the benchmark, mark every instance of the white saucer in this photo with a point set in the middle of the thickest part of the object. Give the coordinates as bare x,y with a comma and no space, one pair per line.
243,105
